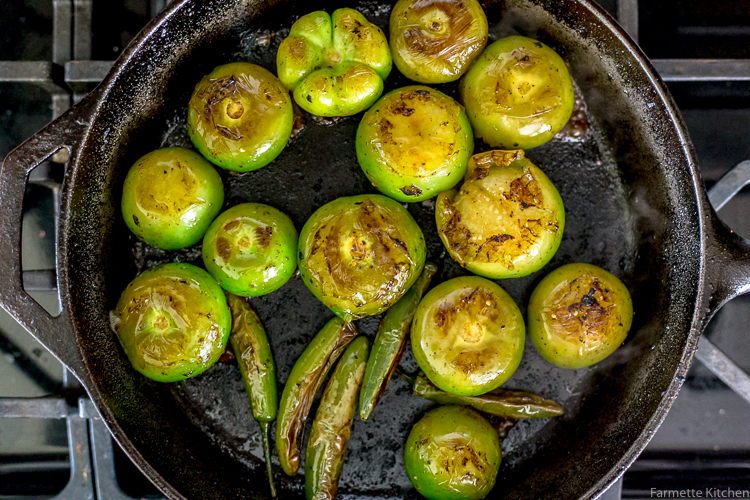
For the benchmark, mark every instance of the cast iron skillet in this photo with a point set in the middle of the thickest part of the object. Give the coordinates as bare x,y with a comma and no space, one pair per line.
635,205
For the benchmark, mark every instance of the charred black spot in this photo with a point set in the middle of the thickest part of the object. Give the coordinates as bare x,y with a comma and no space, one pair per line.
309,98
538,45
589,300
135,219
411,190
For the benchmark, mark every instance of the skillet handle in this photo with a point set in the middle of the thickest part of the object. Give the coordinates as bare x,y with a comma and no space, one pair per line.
55,333
727,276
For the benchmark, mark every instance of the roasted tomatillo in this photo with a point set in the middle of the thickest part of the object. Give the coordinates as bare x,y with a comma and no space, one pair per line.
173,322
240,116
414,143
335,65
578,315
250,249
468,336
170,197
435,41
452,453
518,94
505,221
358,255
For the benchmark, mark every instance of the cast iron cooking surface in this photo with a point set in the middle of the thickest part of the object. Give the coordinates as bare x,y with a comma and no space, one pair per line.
320,165
630,204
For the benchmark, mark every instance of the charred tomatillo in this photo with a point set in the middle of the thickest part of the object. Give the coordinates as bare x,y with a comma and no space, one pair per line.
578,315
467,336
452,453
505,221
172,321
250,249
170,197
240,116
334,65
518,94
435,41
358,255
414,143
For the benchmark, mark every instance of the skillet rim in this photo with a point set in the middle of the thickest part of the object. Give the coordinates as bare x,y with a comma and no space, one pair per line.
95,99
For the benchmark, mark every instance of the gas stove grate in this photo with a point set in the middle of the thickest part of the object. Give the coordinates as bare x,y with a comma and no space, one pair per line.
69,75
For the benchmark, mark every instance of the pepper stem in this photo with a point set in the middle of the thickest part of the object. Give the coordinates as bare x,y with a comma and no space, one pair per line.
265,428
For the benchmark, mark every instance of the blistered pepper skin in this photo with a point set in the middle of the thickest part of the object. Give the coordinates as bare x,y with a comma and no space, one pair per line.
578,315
334,65
251,249
390,342
518,94
506,219
240,117
330,431
305,379
414,143
170,197
255,361
453,453
359,254
172,321
435,41
501,403
468,336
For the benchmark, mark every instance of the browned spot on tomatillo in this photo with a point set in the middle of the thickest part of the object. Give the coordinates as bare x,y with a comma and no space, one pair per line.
446,40
223,248
588,316
264,235
232,224
411,190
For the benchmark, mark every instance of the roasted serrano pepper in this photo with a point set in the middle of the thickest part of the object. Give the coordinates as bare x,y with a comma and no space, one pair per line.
326,448
390,342
500,402
254,357
303,383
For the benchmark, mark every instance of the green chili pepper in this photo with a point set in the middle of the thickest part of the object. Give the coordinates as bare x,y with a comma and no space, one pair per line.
303,383
332,426
514,404
390,342
254,357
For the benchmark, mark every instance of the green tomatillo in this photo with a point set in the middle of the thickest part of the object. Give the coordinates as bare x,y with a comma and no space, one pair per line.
250,249
468,336
452,453
518,94
578,315
334,64
173,322
170,197
240,117
358,255
505,221
435,41
414,143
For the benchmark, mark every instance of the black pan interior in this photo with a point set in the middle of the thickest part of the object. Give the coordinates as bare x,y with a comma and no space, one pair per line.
622,172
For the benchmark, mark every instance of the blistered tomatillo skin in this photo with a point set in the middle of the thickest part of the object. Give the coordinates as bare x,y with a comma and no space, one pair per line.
172,321
414,143
240,117
170,197
358,255
518,94
578,315
250,249
505,221
435,41
468,336
452,453
335,65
